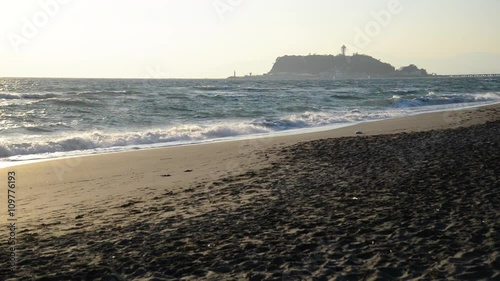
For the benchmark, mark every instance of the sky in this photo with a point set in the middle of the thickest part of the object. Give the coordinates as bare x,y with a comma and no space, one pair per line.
213,38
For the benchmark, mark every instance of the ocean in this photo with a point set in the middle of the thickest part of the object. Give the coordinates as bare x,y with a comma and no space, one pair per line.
49,118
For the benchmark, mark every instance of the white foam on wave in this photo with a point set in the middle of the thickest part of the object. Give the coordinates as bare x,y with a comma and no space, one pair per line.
34,96
8,96
432,99
319,119
487,96
35,145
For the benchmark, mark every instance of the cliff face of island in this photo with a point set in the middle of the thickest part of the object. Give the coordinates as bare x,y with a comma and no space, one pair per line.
336,67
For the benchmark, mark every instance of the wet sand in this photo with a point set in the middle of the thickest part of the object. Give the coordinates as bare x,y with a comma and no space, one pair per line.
410,198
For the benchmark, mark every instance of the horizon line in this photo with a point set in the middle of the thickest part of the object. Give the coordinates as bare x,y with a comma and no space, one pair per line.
241,77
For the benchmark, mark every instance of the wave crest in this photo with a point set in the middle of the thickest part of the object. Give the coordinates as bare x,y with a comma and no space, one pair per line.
100,140
433,99
28,96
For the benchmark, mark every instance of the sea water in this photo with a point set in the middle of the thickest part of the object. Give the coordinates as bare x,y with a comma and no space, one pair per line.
47,118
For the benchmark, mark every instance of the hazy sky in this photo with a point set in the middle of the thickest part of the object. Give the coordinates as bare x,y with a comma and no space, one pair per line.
211,38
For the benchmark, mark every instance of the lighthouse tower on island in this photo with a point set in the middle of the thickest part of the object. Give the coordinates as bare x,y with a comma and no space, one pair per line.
343,50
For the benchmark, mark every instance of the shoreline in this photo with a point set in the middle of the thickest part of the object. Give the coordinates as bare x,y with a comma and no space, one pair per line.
277,134
211,161
257,207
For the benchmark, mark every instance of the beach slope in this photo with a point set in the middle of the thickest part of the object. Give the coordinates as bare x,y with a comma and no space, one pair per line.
414,197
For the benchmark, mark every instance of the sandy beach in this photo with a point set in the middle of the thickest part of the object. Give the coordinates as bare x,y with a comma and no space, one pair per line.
413,198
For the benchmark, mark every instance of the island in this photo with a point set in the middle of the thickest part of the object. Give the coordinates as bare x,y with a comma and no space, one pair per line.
342,66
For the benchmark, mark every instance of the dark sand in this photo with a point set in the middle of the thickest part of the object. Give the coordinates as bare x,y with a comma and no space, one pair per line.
412,206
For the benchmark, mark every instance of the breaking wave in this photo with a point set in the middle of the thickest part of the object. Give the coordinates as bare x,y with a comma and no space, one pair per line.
32,96
432,99
101,140
191,133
